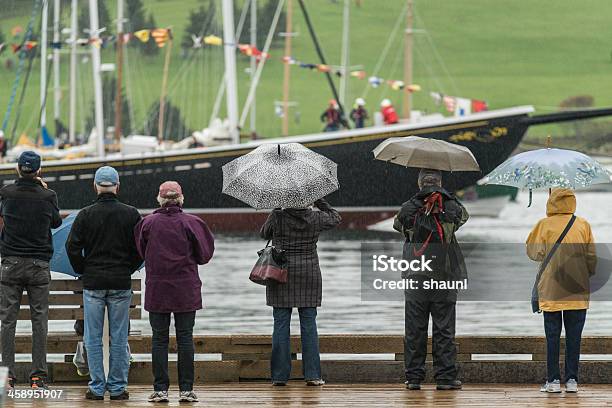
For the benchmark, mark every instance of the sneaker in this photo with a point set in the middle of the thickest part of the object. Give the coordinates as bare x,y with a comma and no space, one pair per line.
315,383
38,383
188,396
91,396
553,387
125,395
279,383
452,385
414,386
571,385
159,396
82,372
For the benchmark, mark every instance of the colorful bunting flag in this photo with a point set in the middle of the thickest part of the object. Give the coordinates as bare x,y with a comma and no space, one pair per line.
15,31
142,35
375,81
479,106
437,97
27,46
96,42
197,41
396,85
213,40
323,68
449,103
161,36
358,74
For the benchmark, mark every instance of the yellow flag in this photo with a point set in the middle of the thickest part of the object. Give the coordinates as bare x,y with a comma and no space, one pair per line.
142,35
24,140
213,40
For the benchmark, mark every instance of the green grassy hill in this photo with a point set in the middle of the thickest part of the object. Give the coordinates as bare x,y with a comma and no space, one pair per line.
505,52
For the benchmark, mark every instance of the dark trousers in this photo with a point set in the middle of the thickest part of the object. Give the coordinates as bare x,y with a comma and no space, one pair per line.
281,344
160,324
443,342
573,320
19,274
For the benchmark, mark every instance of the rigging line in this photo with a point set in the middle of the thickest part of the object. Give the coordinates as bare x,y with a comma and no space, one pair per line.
394,67
182,72
43,106
128,92
437,54
432,75
319,51
221,89
137,97
191,53
22,55
383,56
21,97
250,96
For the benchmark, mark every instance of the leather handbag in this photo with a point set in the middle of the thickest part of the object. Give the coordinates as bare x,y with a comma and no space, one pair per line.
535,298
271,267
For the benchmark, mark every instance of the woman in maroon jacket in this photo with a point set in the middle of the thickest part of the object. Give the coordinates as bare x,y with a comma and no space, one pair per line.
173,244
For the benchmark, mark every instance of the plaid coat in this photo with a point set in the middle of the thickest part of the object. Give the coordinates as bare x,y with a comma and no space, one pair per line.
297,231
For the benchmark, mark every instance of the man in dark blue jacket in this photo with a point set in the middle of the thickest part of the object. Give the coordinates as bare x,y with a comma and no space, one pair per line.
102,249
29,211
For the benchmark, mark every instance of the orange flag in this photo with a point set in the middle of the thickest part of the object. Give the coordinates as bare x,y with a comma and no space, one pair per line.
161,36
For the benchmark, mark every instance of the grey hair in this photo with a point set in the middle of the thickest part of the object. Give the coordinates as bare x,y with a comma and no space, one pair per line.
163,202
106,189
430,177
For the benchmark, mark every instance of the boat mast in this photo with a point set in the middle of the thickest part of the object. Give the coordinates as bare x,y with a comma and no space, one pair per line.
407,97
345,52
119,64
230,69
287,69
94,33
253,64
319,51
162,98
73,71
43,63
57,93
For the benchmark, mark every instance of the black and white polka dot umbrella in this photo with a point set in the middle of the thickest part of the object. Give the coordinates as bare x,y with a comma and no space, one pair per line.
280,175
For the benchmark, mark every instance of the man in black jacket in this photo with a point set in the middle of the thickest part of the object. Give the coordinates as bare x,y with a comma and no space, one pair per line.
29,211
102,249
429,221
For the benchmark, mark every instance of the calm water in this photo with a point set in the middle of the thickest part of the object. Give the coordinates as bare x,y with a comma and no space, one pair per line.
235,305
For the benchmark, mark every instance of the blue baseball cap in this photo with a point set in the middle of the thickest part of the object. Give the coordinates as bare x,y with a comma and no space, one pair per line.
28,162
106,176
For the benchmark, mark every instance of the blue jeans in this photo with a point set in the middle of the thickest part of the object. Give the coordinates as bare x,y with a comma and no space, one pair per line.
281,344
573,320
118,304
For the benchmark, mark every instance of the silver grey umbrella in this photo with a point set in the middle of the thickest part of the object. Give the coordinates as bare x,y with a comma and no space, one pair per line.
420,152
280,175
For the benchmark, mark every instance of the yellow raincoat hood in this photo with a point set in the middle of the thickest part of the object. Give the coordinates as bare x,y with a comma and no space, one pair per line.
561,201
575,258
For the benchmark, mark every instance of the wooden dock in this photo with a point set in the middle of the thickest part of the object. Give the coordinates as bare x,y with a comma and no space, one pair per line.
354,395
345,359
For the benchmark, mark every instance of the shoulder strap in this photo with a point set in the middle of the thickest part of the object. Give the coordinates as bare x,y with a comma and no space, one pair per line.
557,244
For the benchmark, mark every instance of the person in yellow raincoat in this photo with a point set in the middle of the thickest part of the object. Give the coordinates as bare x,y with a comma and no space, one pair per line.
563,287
